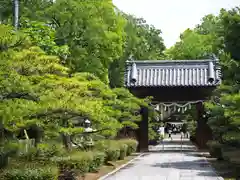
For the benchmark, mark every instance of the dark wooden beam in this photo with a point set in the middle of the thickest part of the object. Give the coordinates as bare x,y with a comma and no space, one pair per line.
203,131
173,94
142,132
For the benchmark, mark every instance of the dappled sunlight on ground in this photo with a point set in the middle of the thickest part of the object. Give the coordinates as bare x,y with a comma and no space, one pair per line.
175,161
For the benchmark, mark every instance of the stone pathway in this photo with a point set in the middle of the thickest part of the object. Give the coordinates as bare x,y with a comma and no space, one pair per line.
172,163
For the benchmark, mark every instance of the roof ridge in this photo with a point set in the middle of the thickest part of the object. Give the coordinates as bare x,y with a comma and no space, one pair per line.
172,61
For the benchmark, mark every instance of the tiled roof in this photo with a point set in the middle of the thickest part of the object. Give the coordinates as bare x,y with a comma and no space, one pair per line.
172,73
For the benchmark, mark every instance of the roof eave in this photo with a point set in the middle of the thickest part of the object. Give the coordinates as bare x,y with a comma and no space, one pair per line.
146,86
171,61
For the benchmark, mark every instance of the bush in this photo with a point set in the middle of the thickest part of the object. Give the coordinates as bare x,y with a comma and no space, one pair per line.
111,149
11,148
132,145
28,155
31,174
215,149
112,153
50,150
116,149
79,162
123,151
3,159
101,145
97,161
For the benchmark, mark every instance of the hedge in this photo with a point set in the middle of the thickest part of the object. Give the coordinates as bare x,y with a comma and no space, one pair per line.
74,164
78,162
112,153
132,145
3,159
117,149
215,149
31,174
50,149
97,161
123,151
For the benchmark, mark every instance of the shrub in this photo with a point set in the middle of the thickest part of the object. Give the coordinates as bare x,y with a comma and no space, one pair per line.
3,159
101,145
97,161
50,150
28,155
112,153
116,149
31,174
215,149
78,162
111,149
132,145
123,150
11,148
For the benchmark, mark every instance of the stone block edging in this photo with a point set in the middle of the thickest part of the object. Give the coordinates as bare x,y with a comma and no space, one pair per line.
119,168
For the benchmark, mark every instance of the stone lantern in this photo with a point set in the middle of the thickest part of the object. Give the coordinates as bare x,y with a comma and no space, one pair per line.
87,125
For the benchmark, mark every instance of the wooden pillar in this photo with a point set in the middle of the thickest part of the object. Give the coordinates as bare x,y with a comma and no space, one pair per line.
203,131
142,132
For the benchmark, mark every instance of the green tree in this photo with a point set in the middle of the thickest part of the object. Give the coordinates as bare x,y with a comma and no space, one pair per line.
230,21
5,11
42,35
219,35
224,106
37,90
142,42
212,26
92,30
191,46
28,8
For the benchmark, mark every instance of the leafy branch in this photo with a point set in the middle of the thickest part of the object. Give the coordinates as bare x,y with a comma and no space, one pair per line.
19,95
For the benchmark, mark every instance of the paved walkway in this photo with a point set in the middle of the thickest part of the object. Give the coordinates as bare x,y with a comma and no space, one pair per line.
174,162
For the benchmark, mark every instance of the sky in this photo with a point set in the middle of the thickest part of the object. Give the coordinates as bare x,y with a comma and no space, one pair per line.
173,16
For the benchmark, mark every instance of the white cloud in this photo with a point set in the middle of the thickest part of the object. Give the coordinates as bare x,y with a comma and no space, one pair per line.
173,16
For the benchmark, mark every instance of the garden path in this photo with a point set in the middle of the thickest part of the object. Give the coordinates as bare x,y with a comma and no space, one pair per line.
178,160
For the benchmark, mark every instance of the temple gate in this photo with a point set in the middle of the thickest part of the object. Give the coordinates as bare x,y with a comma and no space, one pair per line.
174,85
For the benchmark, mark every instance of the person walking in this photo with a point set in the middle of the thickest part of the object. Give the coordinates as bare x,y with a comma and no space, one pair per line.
161,131
187,134
182,135
174,129
184,129
170,133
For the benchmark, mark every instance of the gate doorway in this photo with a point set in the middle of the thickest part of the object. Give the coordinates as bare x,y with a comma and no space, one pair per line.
174,85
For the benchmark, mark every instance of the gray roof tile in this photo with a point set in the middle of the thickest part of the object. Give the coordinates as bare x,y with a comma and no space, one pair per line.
172,73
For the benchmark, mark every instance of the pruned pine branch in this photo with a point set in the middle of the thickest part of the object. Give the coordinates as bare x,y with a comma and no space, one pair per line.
84,133
5,47
55,111
19,95
97,131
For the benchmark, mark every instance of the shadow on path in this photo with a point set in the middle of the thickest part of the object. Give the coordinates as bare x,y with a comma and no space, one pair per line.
176,161
193,165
